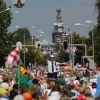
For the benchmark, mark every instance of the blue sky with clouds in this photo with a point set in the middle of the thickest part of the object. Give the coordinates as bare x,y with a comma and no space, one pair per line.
42,15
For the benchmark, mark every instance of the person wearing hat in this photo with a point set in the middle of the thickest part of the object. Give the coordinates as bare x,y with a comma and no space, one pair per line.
52,72
27,96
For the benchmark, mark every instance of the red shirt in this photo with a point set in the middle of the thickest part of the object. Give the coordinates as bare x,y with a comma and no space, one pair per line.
81,96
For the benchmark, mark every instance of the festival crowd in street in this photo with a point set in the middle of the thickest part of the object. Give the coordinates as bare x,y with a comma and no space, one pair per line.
69,85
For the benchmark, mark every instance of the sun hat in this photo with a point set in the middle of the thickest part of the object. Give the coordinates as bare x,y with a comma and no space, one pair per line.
67,80
3,92
1,80
0,76
52,56
52,98
4,85
19,97
61,81
85,80
27,96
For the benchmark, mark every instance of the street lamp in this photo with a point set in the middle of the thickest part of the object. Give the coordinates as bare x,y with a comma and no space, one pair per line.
16,12
39,31
69,31
79,24
92,22
32,26
5,10
88,21
71,42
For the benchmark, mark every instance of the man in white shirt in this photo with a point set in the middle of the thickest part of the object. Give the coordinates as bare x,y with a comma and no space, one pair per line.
52,72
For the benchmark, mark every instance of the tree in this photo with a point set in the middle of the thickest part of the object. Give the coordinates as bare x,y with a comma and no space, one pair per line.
63,56
76,39
33,55
5,21
80,49
20,35
97,35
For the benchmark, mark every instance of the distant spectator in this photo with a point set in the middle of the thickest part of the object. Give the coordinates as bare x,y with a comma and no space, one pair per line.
27,96
81,95
19,97
88,94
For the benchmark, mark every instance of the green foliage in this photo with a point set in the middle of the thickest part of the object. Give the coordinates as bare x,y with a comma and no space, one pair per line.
33,55
76,39
97,35
5,21
97,50
63,57
20,35
80,49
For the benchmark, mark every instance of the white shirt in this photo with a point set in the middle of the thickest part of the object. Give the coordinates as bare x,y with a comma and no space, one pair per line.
50,66
56,94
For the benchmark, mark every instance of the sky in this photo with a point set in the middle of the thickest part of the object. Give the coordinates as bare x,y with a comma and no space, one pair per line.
42,14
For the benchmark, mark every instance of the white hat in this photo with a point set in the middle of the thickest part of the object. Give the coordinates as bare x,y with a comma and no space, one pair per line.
19,97
53,98
4,85
76,82
67,80
0,76
1,80
52,56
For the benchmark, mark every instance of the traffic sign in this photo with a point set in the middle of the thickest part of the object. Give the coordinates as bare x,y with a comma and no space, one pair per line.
19,3
55,53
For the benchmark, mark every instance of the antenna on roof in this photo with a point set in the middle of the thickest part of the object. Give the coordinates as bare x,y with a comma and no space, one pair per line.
58,4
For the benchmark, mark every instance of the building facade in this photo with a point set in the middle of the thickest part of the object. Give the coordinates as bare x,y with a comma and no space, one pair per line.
58,33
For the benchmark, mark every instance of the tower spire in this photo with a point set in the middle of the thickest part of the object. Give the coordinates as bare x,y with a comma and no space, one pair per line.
59,20
58,4
58,33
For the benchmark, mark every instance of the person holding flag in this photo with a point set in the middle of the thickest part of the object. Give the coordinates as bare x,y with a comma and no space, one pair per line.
21,74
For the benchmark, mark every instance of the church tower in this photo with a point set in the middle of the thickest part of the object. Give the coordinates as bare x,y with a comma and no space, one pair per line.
58,34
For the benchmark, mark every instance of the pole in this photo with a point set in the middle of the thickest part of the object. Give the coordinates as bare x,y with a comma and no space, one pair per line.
85,50
32,39
71,60
73,52
35,40
24,47
69,36
93,46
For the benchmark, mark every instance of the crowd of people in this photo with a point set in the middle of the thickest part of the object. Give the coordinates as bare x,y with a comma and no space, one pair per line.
67,85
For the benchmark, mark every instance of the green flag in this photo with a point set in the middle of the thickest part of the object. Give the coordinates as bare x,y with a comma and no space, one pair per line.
21,78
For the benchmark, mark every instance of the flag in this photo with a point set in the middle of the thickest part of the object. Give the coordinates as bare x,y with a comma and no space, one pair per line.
13,57
21,77
98,85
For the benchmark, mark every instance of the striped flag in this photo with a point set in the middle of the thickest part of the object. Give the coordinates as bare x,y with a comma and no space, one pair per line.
13,57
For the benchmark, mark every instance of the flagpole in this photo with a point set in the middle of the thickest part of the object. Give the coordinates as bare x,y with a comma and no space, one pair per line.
19,45
13,58
24,47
